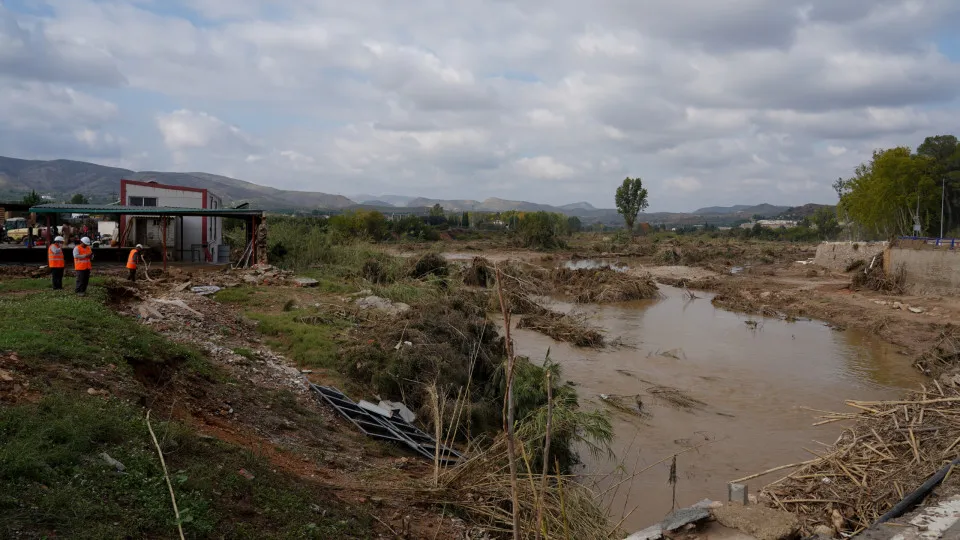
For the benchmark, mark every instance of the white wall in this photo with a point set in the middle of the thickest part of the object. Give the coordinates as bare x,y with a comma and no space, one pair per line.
192,226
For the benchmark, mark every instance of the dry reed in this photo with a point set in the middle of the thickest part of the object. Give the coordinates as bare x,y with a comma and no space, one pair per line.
892,448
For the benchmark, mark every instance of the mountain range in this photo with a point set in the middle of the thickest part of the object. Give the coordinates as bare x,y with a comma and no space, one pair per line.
61,179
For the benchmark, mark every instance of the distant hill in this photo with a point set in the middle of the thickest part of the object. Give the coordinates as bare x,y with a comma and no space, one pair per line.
578,206
766,210
390,200
721,209
62,178
375,202
805,211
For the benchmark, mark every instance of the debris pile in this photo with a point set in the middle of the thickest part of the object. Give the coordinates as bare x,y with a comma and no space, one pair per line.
603,285
563,327
481,489
890,451
873,276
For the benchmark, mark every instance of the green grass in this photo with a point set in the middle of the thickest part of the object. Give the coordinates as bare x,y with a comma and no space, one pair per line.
236,295
53,481
309,345
39,284
58,326
408,292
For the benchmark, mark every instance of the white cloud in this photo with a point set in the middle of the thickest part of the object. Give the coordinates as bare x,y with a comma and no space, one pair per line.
544,167
486,98
188,130
686,184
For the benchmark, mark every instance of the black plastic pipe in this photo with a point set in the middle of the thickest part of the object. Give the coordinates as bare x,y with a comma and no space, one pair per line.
913,498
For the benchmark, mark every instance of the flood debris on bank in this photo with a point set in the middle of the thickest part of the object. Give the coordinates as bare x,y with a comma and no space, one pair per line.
526,285
872,275
893,447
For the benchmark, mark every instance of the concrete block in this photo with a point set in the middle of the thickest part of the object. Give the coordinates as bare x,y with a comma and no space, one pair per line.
737,493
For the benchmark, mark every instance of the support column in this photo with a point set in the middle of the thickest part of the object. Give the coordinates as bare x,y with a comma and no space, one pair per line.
163,228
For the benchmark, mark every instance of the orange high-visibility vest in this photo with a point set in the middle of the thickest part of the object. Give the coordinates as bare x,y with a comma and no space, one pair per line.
55,259
83,264
132,259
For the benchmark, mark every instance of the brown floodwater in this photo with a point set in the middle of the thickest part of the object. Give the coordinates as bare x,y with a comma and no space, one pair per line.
757,377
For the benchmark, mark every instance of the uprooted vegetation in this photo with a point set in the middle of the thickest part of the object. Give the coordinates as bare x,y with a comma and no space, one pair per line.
524,287
893,447
873,276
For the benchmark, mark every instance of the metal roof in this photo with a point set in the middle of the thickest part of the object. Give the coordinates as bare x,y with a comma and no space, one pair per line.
144,210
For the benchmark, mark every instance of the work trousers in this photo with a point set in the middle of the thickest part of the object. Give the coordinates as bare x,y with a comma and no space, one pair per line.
83,278
132,274
57,275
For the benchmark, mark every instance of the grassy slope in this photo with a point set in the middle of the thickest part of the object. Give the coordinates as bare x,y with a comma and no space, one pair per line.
52,478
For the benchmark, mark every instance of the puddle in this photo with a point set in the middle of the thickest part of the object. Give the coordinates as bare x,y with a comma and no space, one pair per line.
755,376
592,264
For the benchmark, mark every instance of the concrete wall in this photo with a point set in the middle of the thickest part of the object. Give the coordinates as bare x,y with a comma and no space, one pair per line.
934,271
838,255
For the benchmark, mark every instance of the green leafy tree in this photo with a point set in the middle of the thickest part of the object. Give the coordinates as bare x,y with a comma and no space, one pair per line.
465,220
436,211
825,219
79,199
943,154
887,194
631,199
574,225
32,199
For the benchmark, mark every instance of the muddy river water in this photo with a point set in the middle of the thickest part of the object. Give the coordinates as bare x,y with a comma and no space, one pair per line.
757,378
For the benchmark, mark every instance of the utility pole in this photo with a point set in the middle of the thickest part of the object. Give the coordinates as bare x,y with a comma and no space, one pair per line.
943,194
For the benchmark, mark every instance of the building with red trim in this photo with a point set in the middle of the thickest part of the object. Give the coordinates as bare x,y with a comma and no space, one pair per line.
188,238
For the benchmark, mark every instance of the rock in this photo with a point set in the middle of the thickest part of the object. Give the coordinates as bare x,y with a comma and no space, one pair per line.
897,305
765,295
823,531
915,309
683,516
708,504
383,304
5,376
305,282
112,462
761,522
205,290
245,474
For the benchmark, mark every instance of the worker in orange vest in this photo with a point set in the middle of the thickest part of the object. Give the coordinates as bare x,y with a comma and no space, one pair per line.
55,262
82,264
132,262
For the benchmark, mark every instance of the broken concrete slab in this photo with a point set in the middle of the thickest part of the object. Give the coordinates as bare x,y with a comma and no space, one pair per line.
399,408
682,517
653,532
305,282
205,290
759,521
383,304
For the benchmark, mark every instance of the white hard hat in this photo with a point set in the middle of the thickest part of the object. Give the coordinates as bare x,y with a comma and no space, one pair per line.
139,246
58,239
85,240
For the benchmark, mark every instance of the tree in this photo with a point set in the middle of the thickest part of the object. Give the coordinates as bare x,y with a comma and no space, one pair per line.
79,199
825,219
32,199
574,225
943,154
436,211
887,194
631,199
465,220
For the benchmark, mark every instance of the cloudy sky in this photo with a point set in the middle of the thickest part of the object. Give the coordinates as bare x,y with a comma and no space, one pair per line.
552,101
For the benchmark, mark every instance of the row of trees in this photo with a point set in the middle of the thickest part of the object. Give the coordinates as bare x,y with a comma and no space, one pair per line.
33,198
899,189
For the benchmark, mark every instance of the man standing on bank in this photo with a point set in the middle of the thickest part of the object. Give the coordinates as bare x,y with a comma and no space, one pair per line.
132,262
82,264
55,262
